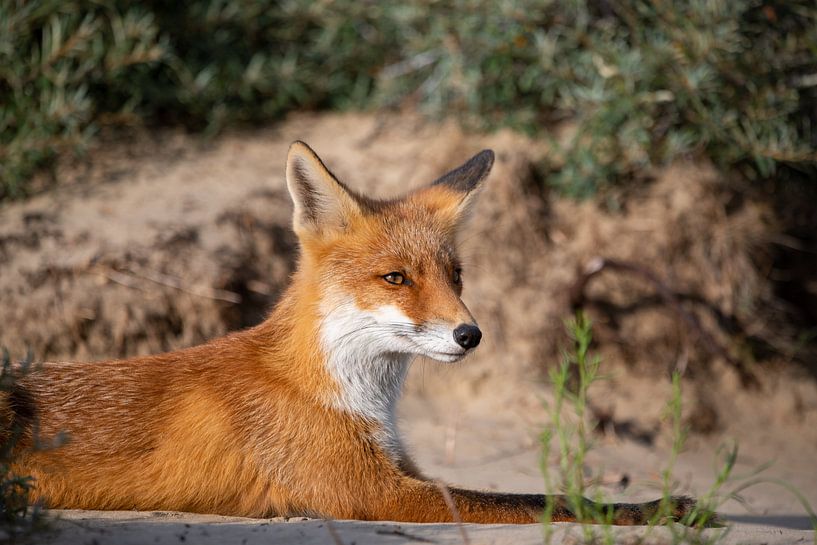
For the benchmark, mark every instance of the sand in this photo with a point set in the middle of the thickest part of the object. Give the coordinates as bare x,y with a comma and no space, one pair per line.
125,528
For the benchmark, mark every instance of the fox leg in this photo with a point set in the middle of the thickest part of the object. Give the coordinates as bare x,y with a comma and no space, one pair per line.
420,501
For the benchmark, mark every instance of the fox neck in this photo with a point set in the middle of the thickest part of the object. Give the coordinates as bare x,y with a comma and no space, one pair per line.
337,354
370,386
368,371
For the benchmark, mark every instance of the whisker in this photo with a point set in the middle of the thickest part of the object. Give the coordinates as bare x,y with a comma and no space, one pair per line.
422,339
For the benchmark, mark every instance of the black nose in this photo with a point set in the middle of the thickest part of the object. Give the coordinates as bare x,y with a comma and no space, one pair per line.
467,336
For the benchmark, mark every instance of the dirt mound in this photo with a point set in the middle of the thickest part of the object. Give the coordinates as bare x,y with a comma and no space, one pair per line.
195,242
77,290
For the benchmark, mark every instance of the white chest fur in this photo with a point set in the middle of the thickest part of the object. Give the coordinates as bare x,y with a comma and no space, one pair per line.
368,358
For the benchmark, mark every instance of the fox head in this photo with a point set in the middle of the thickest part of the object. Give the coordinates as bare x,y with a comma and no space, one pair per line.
387,271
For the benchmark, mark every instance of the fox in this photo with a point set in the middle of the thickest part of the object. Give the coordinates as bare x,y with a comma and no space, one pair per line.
295,416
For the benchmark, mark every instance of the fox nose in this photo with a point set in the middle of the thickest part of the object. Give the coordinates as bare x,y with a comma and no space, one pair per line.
467,336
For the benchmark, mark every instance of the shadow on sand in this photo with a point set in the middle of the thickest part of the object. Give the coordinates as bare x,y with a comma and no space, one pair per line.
792,522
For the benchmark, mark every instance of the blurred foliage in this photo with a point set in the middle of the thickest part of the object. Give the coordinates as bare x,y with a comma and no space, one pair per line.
643,81
17,517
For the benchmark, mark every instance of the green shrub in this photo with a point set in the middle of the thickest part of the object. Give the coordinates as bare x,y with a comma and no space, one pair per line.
68,67
61,66
644,80
17,517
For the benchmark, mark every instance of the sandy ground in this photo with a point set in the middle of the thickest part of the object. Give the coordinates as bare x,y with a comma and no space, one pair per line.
170,243
125,528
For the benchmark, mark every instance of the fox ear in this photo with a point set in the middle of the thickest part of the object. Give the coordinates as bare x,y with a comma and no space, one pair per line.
465,180
468,176
322,203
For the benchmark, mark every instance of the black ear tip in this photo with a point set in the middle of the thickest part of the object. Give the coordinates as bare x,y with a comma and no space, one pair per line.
487,155
485,159
468,176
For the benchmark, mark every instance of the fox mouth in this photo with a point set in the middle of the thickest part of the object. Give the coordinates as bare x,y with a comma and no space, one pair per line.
425,347
446,357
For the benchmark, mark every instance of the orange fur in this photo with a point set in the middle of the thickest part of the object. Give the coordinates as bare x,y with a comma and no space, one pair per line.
277,420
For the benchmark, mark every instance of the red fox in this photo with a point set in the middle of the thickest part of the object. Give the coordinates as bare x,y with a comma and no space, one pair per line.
295,416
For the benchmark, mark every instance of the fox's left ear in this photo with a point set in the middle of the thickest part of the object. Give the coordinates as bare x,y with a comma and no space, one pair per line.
464,182
322,203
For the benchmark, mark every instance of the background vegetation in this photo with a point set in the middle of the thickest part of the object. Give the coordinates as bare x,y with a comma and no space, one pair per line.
17,517
644,81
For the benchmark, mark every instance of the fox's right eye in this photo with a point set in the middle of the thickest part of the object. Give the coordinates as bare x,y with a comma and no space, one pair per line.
395,278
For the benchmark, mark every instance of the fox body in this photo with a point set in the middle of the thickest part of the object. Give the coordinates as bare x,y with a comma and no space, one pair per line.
296,415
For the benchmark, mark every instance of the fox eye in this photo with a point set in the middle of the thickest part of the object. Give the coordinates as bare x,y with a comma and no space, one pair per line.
457,276
395,278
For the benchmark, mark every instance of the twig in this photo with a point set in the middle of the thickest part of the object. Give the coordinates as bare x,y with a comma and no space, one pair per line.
598,264
333,532
417,62
449,501
401,533
498,457
131,279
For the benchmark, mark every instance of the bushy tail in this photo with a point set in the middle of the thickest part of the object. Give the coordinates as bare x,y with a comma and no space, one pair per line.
682,509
